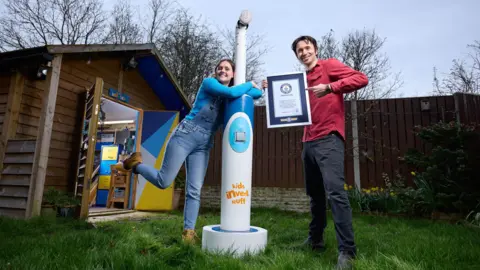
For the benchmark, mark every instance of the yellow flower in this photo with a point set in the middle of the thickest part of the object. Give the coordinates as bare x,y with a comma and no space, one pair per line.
368,191
413,173
345,186
392,194
381,189
350,187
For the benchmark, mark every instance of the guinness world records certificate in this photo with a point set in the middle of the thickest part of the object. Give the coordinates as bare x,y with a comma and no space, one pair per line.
287,102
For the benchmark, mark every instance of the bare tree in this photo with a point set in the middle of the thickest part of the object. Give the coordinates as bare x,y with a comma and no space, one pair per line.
464,75
361,50
160,11
328,46
475,54
256,50
190,50
123,29
29,23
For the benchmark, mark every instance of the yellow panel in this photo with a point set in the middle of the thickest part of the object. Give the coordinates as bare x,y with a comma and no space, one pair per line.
109,152
104,182
153,198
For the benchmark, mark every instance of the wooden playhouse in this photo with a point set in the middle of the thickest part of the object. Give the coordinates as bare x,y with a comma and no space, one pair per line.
62,127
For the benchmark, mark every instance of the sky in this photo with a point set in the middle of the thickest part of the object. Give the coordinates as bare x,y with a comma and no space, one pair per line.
419,34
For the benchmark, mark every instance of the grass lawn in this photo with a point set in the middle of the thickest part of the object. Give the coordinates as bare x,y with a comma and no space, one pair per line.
383,243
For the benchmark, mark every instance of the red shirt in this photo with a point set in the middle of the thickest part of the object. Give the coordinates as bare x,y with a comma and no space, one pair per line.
328,112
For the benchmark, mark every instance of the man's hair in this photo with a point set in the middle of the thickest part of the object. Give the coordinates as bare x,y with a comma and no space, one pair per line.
307,39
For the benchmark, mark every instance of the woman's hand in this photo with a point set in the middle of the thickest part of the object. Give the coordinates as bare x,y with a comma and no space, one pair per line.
264,84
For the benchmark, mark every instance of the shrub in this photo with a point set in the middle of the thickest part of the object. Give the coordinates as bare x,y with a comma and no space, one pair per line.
180,179
374,199
446,178
57,198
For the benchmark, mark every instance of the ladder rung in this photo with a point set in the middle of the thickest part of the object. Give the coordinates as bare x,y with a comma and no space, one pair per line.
90,99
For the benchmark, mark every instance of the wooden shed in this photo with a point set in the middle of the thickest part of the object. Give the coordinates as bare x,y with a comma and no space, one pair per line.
61,107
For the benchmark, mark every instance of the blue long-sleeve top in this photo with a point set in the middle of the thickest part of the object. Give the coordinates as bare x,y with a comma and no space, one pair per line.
211,88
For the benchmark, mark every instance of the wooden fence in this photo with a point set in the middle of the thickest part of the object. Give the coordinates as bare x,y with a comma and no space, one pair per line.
385,131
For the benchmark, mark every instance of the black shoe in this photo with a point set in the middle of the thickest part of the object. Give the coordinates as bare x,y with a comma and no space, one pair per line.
314,245
345,261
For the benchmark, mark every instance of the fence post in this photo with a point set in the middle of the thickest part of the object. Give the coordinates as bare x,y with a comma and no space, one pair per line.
460,108
356,158
457,107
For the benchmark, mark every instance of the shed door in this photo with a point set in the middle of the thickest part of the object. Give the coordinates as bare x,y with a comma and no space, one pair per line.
156,129
85,171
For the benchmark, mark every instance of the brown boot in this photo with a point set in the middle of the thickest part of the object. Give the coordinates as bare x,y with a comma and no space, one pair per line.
129,163
189,237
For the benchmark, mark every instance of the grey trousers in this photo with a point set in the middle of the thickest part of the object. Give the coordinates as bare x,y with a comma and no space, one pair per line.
323,163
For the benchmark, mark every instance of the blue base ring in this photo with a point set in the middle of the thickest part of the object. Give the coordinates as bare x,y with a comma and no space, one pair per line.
218,229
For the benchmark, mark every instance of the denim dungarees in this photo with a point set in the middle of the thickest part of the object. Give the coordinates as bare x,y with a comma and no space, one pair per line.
190,142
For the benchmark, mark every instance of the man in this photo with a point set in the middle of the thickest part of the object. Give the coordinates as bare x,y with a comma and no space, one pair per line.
323,146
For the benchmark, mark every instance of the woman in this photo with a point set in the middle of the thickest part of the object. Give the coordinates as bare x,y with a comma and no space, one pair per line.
192,140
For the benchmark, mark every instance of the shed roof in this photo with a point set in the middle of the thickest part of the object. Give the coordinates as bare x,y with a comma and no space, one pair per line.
150,66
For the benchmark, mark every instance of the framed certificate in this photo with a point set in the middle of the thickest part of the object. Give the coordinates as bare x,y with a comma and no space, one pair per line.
287,103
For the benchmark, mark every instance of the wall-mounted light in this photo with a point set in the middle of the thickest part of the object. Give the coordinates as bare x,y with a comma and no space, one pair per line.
117,122
130,64
42,73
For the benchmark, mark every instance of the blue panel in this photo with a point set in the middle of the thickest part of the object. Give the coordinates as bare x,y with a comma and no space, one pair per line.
105,167
102,196
158,80
240,104
152,121
113,93
120,96
155,143
124,97
239,135
98,145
